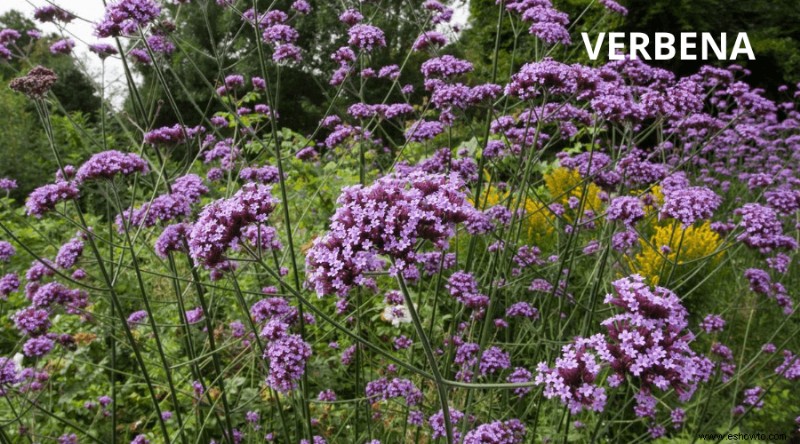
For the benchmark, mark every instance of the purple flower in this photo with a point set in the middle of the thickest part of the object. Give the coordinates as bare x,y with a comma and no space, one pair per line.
68,439
220,223
386,218
32,321
9,373
464,288
37,347
280,33
627,209
445,66
63,46
7,251
534,78
429,39
137,318
348,354
103,49
752,397
186,191
301,6
140,439
572,379
169,135
327,395
7,184
306,153
140,56
69,253
493,360
9,283
127,17
287,362
50,13
366,37
520,375
497,432
613,6
383,389
690,204
423,130
712,324
266,174
172,239
46,197
194,315
762,229
437,424
351,17
522,309
790,368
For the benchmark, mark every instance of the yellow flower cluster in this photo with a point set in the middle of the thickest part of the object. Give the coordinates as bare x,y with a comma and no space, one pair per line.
563,183
691,248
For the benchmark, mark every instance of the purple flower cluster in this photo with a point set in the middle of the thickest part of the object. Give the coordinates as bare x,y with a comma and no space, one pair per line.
497,432
647,342
464,288
7,251
383,389
69,253
186,191
7,184
220,223
126,17
762,229
287,358
573,378
36,83
266,174
366,37
626,209
690,204
46,197
386,218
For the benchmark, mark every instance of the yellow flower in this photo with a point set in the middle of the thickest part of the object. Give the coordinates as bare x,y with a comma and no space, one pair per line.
490,197
698,244
563,183
538,222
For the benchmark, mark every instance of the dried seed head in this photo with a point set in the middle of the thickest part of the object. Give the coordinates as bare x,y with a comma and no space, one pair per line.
36,84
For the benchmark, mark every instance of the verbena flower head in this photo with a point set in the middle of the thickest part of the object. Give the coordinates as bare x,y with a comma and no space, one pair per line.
7,251
46,197
386,218
366,37
107,164
7,184
69,253
626,209
103,50
690,204
220,224
287,362
497,432
126,17
762,228
36,83
535,78
63,46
